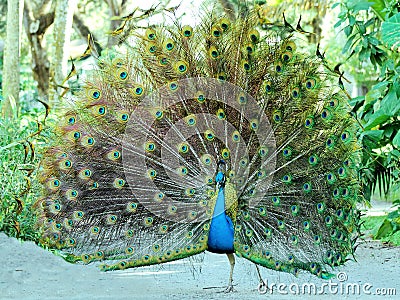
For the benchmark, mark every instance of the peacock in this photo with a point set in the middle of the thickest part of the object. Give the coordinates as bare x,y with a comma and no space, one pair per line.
224,137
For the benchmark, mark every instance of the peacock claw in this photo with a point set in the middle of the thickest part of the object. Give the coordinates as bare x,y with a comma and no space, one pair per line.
228,289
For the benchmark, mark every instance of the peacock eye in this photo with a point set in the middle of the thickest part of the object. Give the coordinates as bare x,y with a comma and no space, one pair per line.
96,94
101,110
138,91
163,61
187,31
71,121
182,68
123,75
222,77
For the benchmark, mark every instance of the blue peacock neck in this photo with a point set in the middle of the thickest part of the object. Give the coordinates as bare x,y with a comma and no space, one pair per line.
220,237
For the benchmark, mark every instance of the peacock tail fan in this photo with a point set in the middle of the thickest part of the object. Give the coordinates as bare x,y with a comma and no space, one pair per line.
130,177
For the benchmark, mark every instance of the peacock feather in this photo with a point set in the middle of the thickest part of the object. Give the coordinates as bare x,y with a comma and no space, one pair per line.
220,137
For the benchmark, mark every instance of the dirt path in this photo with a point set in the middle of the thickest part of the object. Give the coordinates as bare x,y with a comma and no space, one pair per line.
29,272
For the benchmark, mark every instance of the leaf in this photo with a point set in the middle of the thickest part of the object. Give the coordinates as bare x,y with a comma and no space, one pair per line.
364,54
356,100
348,43
385,230
391,32
393,215
348,29
381,86
390,104
371,138
352,20
378,8
376,91
338,23
356,5
375,135
376,119
396,140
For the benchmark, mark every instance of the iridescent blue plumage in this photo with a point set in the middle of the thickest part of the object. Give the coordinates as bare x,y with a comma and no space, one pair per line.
220,237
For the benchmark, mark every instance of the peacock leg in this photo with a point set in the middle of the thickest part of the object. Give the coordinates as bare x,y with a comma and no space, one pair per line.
231,258
262,283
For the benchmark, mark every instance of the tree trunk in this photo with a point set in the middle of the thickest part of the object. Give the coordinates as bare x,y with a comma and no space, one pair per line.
36,24
62,32
114,10
11,60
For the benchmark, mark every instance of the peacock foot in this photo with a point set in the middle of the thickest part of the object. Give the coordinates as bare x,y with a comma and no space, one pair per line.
228,289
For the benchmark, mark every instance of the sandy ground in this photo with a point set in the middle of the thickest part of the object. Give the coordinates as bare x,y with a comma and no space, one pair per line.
29,272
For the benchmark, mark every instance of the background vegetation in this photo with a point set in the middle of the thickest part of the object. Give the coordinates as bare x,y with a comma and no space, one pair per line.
363,36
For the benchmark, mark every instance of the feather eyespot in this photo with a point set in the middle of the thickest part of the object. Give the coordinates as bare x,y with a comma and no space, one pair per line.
254,36
200,97
310,83
268,87
216,31
169,45
173,86
295,93
225,153
150,34
287,56
187,31
96,94
119,183
71,120
181,67
183,148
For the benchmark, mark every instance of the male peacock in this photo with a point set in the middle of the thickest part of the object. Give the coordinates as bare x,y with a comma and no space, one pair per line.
221,137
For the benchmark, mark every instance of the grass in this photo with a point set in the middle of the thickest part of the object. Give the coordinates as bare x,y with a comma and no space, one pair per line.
18,169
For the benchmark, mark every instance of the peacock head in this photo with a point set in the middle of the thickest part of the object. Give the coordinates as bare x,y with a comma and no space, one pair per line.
220,177
221,165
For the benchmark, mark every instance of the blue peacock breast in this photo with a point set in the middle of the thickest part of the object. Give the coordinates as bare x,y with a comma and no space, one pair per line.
221,234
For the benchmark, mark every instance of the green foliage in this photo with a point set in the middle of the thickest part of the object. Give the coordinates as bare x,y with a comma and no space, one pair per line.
391,224
372,31
18,191
379,227
391,33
